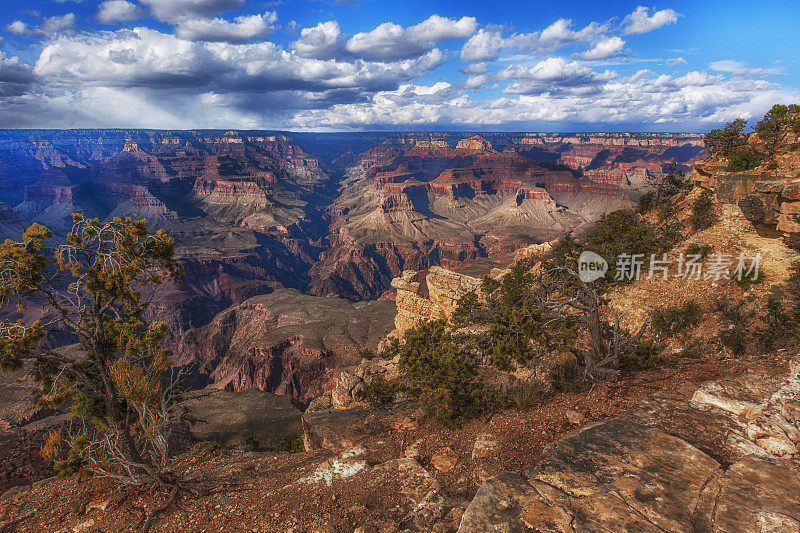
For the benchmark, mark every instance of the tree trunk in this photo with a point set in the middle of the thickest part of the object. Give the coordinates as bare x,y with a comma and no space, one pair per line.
113,414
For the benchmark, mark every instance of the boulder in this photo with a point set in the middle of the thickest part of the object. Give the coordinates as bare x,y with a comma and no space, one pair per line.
486,446
444,460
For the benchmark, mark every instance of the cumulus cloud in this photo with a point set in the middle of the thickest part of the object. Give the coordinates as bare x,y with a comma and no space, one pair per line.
147,58
483,46
219,72
17,27
688,102
604,49
243,29
113,11
551,74
561,33
486,45
15,76
178,10
640,21
323,41
390,41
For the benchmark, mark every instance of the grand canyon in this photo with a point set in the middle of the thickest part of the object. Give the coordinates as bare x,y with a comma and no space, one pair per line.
335,216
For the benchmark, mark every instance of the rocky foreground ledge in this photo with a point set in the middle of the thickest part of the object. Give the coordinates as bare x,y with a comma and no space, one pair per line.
726,460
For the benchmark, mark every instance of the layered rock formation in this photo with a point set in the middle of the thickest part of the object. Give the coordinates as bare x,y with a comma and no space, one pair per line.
766,199
437,299
252,212
429,204
246,211
284,342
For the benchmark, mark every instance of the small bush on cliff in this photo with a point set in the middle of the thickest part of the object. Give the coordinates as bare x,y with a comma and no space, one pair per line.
624,232
250,444
664,189
289,444
744,159
781,326
434,371
670,321
703,251
703,214
774,128
378,391
731,142
728,139
527,394
642,356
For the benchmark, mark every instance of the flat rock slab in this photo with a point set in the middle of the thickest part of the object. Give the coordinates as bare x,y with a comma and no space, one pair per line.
669,464
227,417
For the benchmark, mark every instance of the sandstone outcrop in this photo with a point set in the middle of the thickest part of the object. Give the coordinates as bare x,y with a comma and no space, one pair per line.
437,299
722,461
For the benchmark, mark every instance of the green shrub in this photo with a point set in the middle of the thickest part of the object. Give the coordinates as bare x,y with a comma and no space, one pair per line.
736,336
642,356
744,159
290,444
646,202
250,444
527,394
703,214
703,251
624,232
378,392
434,370
669,321
468,306
569,377
367,354
749,279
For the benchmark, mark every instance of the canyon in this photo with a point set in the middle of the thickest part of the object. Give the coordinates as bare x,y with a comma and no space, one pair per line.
333,217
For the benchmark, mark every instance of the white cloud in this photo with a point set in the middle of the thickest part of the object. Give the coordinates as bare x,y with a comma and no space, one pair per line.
390,41
243,29
675,61
17,27
323,41
554,74
604,49
179,10
15,76
685,103
48,29
640,21
146,58
738,68
118,11
486,45
483,46
560,33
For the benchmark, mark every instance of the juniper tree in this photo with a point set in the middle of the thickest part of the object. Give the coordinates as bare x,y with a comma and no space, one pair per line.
91,288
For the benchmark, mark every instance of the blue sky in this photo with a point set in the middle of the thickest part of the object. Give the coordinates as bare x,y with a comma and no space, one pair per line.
421,65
